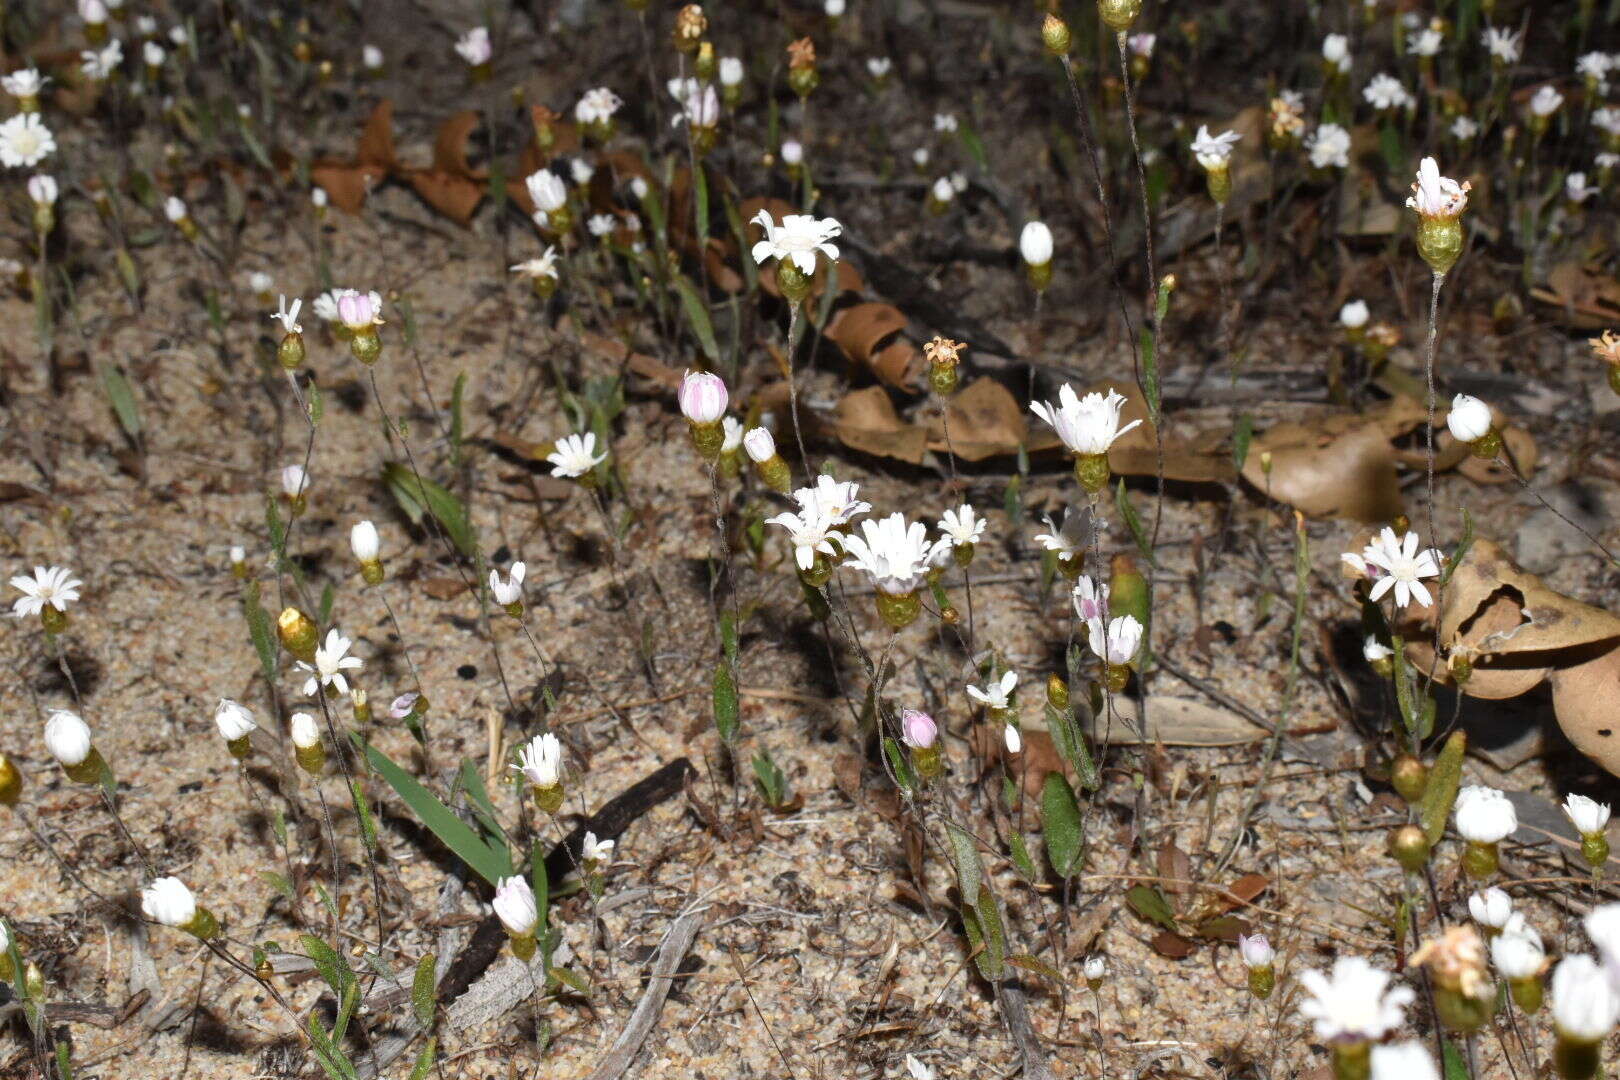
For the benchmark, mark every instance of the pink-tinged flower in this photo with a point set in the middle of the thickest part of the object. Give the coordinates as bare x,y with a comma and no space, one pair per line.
1255,950
403,705
1118,644
917,729
515,906
360,311
1090,600
703,397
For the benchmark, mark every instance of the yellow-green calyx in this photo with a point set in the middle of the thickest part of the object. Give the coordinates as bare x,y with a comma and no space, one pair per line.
291,352
898,611
87,771
239,747
1119,14
794,283
10,783
298,634
926,760
312,759
549,799
1091,471
774,473
1440,242
1479,861
707,439
203,925
365,345
1262,981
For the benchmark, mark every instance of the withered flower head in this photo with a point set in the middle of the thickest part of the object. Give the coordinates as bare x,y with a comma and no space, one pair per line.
690,25
1384,334
943,350
1607,347
801,54
1456,959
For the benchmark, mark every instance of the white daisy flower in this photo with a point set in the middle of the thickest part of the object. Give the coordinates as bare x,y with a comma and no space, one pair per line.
53,585
1402,567
331,662
798,239
25,141
574,456
998,694
1087,425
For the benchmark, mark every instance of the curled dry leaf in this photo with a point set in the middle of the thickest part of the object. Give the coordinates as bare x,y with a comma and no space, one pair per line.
1340,465
865,420
1584,298
984,420
347,183
1532,632
1584,694
863,331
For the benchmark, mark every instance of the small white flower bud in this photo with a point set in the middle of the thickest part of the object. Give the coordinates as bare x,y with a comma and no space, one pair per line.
760,445
1035,243
233,720
1469,419
305,732
168,901
515,906
67,737
363,541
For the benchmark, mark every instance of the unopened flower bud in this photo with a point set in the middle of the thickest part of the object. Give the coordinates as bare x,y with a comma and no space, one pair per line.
1055,35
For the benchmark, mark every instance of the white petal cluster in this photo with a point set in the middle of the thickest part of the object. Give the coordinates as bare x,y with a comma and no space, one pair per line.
168,901
515,906
1354,1001
1589,816
1399,566
1329,147
1214,151
510,589
1436,196
798,238
1384,91
1484,815
25,141
997,694
574,456
597,106
52,585
894,552
540,761
331,661
1087,425
233,719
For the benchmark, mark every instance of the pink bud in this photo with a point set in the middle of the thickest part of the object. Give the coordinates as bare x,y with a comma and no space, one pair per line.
917,729
703,397
1256,951
357,310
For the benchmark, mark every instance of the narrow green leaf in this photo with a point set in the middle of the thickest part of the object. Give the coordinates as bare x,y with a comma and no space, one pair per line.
1242,434
122,397
1039,967
1021,859
1456,1066
64,1061
329,962
279,883
965,856
423,989
992,961
457,393
1062,828
701,203
407,315
362,812
317,404
1445,777
974,146
274,527
728,637
902,768
408,488
489,861
328,596
1127,513
472,782
264,640
698,315
1459,553
278,823
424,1060
326,900
725,702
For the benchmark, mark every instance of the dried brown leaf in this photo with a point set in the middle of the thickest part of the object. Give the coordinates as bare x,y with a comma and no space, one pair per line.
865,420
984,420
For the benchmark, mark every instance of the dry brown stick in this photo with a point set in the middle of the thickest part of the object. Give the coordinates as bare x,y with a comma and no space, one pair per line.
677,940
